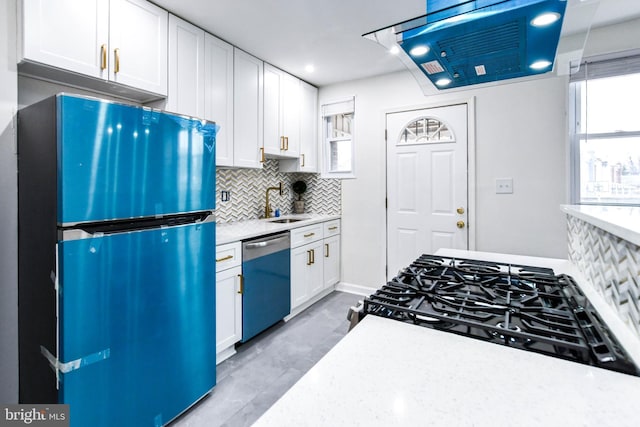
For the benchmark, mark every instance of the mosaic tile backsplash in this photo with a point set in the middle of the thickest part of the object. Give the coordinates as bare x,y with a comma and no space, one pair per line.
247,188
611,264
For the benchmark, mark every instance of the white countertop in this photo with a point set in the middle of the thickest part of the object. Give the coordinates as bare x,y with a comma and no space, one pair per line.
386,372
621,221
235,231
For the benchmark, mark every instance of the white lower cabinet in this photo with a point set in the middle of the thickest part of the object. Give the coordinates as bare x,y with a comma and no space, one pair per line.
315,260
306,273
228,299
331,261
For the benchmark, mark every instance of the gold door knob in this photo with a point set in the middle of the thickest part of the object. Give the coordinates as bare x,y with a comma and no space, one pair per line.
460,224
460,210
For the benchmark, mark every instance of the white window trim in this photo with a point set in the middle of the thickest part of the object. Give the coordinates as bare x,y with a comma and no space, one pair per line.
340,106
605,66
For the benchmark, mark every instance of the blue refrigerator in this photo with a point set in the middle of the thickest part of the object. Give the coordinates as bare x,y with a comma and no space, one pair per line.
116,256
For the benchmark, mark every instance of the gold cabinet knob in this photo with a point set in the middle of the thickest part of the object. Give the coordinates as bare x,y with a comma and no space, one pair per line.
460,224
460,210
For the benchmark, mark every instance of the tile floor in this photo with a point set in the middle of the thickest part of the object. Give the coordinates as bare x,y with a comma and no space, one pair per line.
264,368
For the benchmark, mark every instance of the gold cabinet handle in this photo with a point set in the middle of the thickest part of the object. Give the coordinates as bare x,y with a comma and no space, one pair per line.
286,143
309,235
224,258
116,67
460,224
261,155
282,143
241,278
333,228
460,210
313,256
302,155
308,257
326,254
103,57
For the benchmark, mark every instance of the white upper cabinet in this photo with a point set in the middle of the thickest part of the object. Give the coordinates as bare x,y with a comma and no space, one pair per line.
138,45
218,95
281,113
186,68
123,41
67,34
248,110
308,156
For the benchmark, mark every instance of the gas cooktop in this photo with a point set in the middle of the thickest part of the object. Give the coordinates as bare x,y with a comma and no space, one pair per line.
519,306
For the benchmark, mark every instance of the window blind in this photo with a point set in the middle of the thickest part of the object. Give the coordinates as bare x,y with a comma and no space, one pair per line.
595,68
346,106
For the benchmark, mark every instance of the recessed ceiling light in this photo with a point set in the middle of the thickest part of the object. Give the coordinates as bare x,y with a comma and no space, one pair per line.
545,19
309,68
419,50
443,81
540,65
394,50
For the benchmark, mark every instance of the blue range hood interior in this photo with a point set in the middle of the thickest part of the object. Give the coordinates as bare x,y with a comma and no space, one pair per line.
481,41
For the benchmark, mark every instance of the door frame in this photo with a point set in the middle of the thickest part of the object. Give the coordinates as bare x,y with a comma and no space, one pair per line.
471,164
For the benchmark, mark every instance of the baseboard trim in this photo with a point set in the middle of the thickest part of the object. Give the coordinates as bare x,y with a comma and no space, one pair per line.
355,289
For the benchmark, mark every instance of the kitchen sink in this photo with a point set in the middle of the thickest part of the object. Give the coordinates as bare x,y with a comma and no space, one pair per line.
286,220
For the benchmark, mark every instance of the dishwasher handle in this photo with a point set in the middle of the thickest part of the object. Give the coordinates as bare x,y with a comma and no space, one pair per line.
265,243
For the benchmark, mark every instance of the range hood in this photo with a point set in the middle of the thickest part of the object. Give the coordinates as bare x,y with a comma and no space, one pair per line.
459,43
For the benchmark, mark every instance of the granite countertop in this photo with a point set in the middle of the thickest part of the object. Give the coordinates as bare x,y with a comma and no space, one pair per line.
386,372
621,221
241,230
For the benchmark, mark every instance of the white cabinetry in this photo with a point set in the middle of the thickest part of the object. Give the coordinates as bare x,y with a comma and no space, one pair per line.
228,299
218,95
308,158
281,113
248,109
201,81
331,262
123,41
306,263
315,261
186,68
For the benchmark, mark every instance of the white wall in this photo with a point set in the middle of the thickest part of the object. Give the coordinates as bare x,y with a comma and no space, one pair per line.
520,133
8,207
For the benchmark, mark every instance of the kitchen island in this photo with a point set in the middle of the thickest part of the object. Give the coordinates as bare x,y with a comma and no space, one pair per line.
386,372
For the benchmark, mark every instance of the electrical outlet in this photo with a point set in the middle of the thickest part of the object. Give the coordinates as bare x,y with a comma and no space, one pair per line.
225,196
504,186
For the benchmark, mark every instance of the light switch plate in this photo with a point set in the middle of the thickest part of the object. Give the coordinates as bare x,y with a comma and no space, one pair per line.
504,186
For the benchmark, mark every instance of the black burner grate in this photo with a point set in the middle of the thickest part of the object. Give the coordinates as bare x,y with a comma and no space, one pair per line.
519,306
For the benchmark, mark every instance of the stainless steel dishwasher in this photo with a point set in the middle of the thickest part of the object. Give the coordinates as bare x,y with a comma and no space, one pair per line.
266,269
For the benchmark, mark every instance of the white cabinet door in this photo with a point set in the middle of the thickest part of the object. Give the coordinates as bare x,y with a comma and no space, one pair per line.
273,136
186,68
300,261
331,261
218,95
291,115
308,153
248,118
228,308
68,34
306,273
138,45
281,113
316,269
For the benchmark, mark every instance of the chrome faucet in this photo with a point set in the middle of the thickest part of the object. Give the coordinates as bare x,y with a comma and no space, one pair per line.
267,207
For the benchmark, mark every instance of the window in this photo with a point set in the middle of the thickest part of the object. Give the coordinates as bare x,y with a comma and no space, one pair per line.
605,136
338,147
426,130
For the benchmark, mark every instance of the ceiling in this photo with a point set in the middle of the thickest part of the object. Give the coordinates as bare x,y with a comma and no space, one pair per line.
291,34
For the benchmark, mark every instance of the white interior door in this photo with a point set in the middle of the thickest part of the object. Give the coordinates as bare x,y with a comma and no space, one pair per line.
426,183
